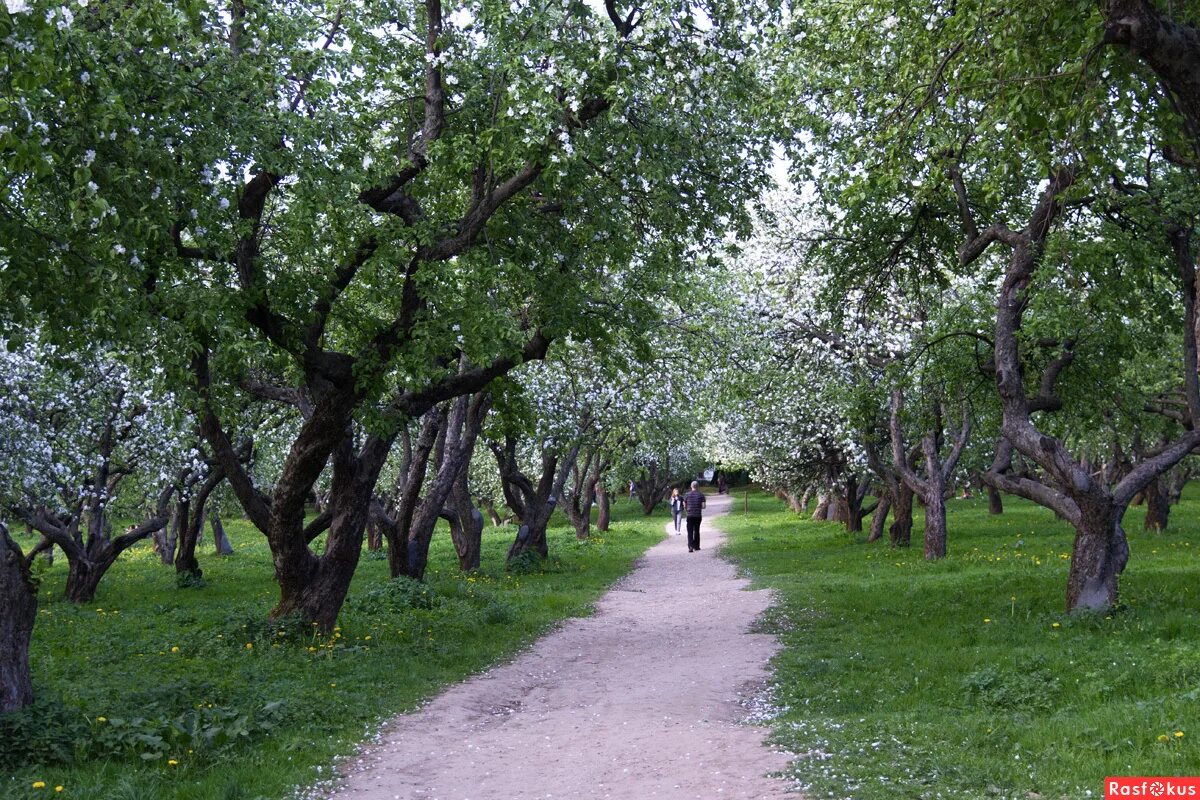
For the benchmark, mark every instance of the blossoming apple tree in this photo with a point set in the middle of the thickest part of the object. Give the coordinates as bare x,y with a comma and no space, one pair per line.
355,198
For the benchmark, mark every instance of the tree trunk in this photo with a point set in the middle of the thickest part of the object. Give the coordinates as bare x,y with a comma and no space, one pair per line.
838,510
186,566
83,577
1179,479
18,598
374,535
314,587
604,504
220,541
490,508
855,510
466,525
880,518
821,512
900,532
1098,556
1158,507
396,525
532,534
935,521
171,538
453,450
995,501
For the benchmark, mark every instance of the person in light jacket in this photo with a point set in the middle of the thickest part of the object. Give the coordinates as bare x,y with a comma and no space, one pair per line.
676,508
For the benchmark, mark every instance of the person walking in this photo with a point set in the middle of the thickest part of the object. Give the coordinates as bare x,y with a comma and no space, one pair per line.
694,502
676,507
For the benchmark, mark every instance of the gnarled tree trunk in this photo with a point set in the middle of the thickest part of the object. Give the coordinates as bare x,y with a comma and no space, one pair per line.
466,525
453,449
1098,556
18,601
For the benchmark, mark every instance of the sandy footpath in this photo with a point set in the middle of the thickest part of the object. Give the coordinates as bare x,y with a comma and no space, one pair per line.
639,700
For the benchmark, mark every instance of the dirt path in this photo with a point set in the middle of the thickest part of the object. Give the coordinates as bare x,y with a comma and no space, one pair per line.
639,700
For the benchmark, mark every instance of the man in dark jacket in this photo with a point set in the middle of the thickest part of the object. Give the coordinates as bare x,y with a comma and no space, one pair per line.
694,502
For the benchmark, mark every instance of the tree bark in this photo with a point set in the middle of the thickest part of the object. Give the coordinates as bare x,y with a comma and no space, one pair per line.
540,506
1179,479
838,509
374,535
1169,47
880,519
220,541
856,509
18,599
1158,507
397,522
652,485
821,512
586,476
995,501
900,531
189,534
454,448
931,488
1098,556
935,517
315,587
604,504
466,525
490,509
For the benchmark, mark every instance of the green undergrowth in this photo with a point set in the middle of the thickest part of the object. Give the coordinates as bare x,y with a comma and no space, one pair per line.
965,678
155,691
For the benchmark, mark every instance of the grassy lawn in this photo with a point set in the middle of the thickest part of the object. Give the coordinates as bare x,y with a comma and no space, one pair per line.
965,679
158,692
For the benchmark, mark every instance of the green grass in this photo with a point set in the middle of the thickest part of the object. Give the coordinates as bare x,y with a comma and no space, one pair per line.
255,722
964,678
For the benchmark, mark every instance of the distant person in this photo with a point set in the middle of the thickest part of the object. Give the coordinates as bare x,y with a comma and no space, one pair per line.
676,507
632,491
694,502
722,486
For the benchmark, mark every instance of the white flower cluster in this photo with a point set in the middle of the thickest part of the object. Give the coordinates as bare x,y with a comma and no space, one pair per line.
75,425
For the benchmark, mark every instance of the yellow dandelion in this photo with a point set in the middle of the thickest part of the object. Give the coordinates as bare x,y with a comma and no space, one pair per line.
39,784
1056,625
333,684
366,638
102,720
172,762
175,649
986,621
249,645
1162,737
58,788
1178,734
